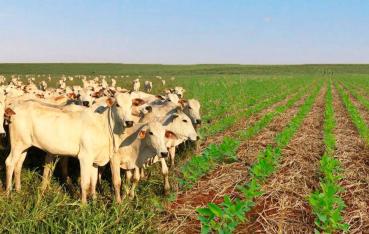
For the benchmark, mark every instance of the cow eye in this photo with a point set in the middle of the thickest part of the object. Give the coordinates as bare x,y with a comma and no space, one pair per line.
189,107
185,120
151,133
118,105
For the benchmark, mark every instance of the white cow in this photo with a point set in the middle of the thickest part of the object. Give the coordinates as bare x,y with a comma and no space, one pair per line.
142,142
148,86
89,136
174,121
136,85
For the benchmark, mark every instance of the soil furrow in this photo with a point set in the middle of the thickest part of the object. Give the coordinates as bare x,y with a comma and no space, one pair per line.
243,123
284,208
182,217
353,154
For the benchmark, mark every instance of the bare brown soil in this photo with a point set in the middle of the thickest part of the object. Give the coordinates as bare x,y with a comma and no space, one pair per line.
353,153
181,215
284,207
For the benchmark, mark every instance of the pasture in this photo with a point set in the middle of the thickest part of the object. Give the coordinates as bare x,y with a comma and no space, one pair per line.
283,149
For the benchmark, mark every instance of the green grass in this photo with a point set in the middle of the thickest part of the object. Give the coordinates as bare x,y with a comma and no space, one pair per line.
355,116
201,69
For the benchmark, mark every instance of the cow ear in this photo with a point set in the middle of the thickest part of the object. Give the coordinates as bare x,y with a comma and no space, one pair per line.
142,134
175,116
170,135
179,108
109,102
138,102
182,102
9,112
160,97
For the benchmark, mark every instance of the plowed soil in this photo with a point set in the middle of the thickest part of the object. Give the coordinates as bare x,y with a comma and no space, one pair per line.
284,207
181,214
353,153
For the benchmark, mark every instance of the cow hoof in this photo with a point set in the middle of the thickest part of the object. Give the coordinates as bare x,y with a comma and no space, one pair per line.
68,181
166,192
118,201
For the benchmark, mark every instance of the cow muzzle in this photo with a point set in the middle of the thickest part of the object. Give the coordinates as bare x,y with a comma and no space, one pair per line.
149,109
86,103
164,154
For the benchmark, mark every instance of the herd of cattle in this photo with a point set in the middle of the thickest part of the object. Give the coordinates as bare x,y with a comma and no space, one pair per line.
96,123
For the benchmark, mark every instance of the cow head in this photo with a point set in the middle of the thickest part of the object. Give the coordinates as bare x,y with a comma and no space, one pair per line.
192,109
139,106
180,124
179,91
123,105
154,136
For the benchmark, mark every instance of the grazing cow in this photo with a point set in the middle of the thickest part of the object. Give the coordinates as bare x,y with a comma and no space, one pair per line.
141,143
136,85
148,86
89,136
113,83
43,85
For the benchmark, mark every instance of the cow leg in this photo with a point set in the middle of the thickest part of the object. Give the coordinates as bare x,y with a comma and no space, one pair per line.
172,154
128,181
142,173
64,167
197,147
86,168
17,172
94,175
100,170
10,163
117,181
136,179
165,172
48,170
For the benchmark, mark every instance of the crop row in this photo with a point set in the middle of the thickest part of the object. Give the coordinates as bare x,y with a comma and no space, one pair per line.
267,118
225,217
198,166
354,114
326,203
256,100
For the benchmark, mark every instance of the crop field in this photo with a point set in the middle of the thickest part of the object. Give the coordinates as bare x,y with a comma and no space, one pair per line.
283,149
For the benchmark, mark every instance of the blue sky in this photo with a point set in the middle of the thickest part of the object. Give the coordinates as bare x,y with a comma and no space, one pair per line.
185,31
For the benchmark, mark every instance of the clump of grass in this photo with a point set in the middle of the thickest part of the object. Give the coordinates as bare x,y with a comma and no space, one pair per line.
199,165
